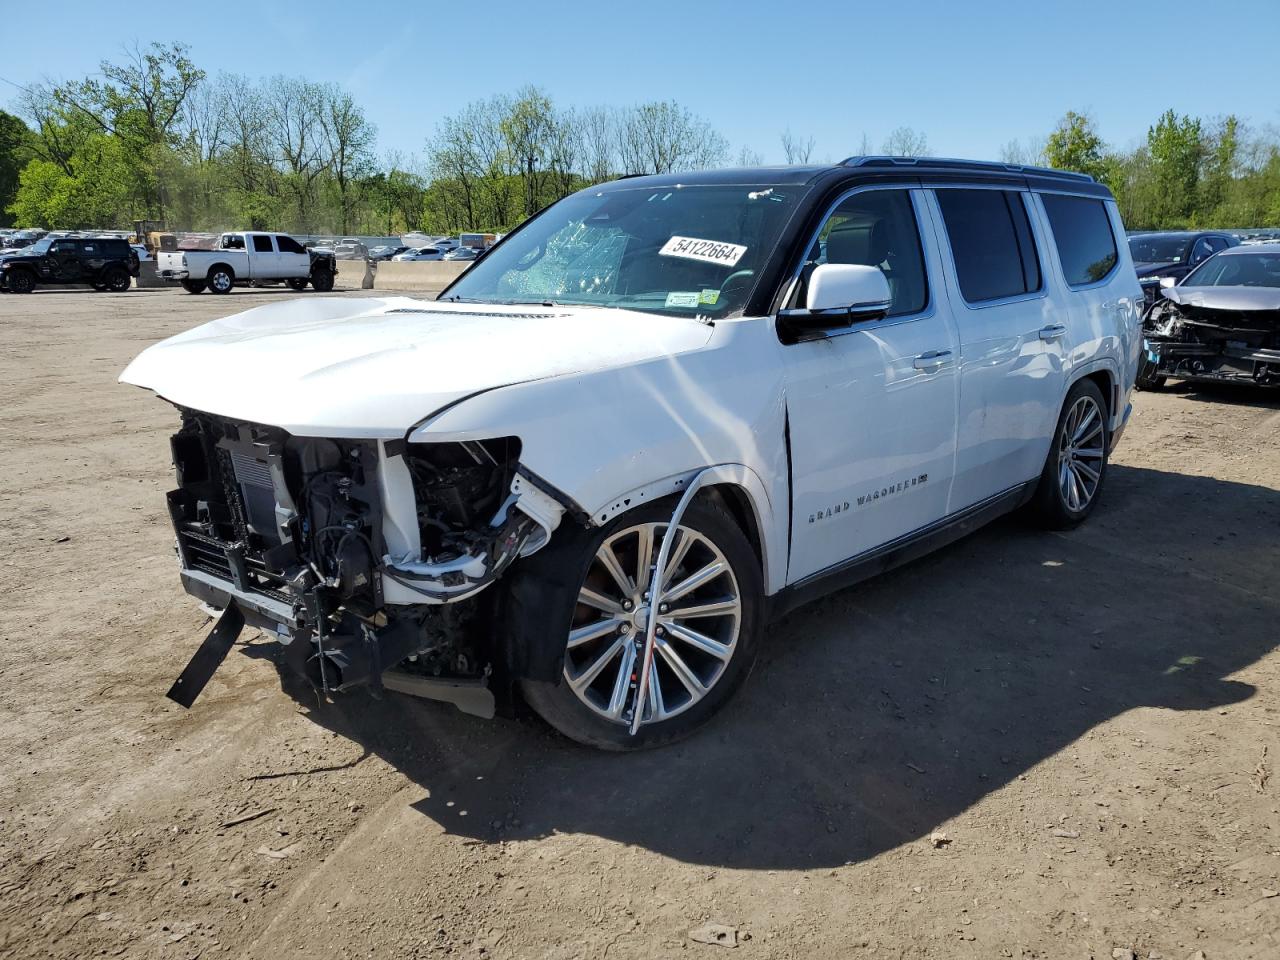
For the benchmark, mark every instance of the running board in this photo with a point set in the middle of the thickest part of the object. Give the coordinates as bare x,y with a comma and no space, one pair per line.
469,696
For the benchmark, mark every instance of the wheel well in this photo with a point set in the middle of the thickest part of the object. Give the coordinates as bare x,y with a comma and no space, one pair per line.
1104,382
734,500
225,266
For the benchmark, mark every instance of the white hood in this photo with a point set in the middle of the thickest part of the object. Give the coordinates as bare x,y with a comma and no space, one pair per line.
375,367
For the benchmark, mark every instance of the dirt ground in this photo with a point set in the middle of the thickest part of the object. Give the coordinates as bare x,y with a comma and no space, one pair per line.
1089,718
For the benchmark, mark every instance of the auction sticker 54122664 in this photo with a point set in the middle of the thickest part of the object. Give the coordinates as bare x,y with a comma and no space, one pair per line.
708,251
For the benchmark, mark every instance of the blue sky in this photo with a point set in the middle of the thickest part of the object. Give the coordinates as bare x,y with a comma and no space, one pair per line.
970,76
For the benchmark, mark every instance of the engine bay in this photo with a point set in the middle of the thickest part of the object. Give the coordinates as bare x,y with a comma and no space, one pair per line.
290,530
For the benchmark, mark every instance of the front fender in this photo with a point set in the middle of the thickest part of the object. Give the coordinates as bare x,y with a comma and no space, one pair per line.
610,439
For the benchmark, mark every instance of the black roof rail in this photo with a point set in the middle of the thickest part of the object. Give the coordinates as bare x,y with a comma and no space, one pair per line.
948,163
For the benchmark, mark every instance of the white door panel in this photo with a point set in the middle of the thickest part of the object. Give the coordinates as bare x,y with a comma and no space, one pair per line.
871,413
873,439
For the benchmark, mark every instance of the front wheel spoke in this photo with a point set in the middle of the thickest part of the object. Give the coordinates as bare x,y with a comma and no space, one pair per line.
588,676
653,696
1077,491
599,601
700,641
622,682
712,608
694,581
592,631
609,560
681,669
679,550
644,556
1089,453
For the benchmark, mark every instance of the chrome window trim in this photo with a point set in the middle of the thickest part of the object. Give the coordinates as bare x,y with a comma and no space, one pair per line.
930,305
1040,293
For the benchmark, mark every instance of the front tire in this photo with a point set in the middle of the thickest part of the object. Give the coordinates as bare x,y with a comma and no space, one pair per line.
1071,482
1148,378
220,280
710,625
322,281
21,281
298,283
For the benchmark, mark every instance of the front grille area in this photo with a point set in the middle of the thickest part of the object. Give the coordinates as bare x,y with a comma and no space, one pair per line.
227,561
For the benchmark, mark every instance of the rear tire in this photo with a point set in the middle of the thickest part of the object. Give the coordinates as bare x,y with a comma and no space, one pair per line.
1071,482
21,281
220,280
550,608
322,281
118,280
193,286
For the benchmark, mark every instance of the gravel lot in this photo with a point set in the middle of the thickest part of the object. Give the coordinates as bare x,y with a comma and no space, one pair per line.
1089,718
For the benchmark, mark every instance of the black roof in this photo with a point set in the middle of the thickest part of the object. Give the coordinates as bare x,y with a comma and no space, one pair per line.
900,169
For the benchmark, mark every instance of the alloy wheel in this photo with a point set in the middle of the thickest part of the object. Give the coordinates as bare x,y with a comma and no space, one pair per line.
696,634
1080,453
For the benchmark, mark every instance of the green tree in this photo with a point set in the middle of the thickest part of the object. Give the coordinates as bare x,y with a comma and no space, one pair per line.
15,153
1075,145
1177,149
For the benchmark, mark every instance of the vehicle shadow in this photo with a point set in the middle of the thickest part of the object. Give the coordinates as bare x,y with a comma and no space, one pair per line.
881,712
1243,395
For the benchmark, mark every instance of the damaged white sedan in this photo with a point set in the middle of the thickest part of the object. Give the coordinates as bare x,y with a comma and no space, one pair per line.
658,413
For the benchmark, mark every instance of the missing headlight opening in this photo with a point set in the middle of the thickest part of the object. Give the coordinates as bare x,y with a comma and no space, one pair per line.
356,554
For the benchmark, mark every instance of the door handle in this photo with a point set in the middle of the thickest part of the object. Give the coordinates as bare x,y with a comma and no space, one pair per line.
1053,331
932,360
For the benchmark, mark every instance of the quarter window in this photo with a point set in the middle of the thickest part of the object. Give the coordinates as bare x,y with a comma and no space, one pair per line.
262,244
1082,233
876,228
991,243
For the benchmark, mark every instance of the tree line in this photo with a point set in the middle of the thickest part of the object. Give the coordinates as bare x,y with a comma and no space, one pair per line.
1188,172
153,136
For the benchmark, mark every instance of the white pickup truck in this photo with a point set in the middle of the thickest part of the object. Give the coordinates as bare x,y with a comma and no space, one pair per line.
246,257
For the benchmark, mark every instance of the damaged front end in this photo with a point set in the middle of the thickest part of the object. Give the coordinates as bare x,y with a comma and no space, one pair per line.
1222,337
357,555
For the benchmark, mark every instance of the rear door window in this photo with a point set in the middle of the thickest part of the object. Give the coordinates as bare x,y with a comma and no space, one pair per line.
1082,234
288,244
991,243
262,244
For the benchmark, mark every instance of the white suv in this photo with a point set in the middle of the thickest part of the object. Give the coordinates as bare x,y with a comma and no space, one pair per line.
810,373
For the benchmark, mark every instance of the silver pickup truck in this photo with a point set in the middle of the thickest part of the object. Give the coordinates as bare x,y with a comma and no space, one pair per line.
249,257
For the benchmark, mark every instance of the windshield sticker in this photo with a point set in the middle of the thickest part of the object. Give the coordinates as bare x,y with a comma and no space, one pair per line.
708,251
709,296
678,298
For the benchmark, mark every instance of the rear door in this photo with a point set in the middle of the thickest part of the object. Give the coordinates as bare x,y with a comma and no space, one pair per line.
263,260
1011,339
871,408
